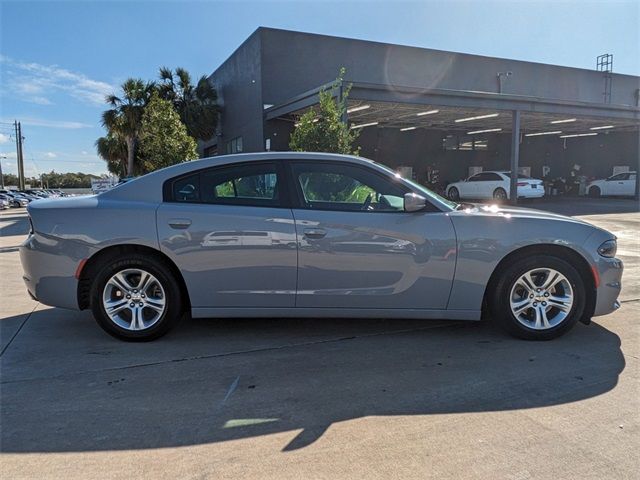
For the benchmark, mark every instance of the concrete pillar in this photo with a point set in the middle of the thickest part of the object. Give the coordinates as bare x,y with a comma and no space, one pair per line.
515,156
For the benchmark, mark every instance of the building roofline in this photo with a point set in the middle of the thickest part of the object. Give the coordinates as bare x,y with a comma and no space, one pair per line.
426,49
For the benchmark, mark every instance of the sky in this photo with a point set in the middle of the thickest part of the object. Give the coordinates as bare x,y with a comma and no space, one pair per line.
59,59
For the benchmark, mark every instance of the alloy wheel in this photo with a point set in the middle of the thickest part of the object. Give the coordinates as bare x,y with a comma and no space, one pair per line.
541,298
134,299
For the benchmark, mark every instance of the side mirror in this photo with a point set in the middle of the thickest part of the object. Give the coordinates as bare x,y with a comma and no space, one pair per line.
414,202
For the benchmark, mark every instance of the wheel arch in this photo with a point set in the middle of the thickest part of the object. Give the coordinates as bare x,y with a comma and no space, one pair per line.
560,251
111,253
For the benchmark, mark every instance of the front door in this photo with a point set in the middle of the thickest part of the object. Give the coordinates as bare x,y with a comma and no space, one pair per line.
357,248
227,231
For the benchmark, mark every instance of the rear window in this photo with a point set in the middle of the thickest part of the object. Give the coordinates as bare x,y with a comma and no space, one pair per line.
245,184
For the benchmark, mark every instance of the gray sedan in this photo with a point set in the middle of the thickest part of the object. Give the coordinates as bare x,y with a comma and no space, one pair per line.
311,235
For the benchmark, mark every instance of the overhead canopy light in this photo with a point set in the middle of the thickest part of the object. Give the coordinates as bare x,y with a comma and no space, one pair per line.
566,120
357,109
542,133
604,127
429,112
362,125
406,129
480,117
485,131
578,135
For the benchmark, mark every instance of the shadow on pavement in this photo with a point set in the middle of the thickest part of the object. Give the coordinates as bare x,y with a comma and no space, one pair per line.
214,381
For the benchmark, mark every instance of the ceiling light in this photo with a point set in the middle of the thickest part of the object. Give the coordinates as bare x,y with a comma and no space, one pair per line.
477,118
430,112
578,135
406,129
485,131
357,109
601,128
362,125
542,133
568,120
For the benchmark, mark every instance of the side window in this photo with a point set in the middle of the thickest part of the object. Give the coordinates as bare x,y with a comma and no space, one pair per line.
494,177
244,184
187,189
332,186
475,178
619,176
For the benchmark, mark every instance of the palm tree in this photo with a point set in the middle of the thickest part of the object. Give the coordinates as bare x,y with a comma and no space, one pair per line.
197,105
114,151
124,118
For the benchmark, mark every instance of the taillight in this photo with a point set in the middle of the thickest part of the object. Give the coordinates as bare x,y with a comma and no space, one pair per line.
522,184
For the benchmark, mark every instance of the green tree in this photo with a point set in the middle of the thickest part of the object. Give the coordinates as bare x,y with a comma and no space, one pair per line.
163,137
123,119
323,130
197,104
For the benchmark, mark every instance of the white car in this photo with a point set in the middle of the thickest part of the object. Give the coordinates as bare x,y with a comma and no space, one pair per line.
622,184
495,185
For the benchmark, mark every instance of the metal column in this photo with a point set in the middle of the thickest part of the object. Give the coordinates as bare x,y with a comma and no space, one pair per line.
515,156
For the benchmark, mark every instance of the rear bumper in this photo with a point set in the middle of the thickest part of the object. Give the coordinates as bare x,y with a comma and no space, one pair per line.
610,283
49,266
530,192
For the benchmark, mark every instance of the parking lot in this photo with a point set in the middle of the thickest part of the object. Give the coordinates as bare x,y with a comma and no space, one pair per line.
307,398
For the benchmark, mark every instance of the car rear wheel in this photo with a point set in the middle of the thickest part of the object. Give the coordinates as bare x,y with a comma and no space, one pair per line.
500,194
136,298
454,194
539,298
594,192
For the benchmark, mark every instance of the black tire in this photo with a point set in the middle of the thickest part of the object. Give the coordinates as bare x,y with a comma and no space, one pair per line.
594,192
499,304
173,299
499,194
453,194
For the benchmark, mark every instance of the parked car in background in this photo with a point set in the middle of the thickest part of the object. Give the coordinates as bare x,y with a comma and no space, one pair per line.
14,194
290,234
494,184
37,192
29,196
14,201
621,184
4,204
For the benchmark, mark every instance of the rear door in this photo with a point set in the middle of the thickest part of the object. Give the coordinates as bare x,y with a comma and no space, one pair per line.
358,248
488,183
231,233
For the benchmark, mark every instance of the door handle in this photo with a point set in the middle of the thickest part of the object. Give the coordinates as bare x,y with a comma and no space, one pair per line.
179,223
314,232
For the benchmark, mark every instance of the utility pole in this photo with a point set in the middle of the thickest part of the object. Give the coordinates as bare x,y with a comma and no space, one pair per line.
2,174
20,158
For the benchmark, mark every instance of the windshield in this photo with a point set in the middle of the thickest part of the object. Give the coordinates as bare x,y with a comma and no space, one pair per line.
437,199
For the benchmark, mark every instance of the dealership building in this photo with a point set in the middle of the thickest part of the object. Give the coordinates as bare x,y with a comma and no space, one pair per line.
434,115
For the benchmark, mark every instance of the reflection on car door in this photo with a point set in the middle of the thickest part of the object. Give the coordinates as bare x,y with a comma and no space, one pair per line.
357,248
228,232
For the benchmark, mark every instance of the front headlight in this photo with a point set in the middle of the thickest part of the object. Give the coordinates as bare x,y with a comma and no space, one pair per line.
608,249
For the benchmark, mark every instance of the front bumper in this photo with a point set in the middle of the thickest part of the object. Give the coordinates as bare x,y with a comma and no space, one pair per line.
609,271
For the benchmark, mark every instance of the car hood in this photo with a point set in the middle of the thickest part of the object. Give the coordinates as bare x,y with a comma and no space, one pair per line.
493,210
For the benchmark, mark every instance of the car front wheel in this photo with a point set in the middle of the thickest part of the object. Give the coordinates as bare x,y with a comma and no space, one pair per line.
136,298
594,192
454,194
539,298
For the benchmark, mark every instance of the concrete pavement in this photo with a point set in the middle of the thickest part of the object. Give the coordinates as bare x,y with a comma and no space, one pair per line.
307,398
